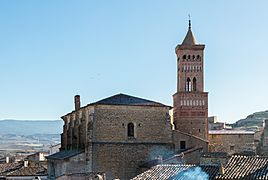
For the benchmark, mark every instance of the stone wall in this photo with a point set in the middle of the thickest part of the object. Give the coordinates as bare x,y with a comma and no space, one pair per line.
122,160
231,143
263,145
57,168
191,141
151,124
194,146
102,132
119,155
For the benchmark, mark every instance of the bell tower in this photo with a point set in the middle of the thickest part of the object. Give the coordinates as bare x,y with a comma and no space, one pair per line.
190,102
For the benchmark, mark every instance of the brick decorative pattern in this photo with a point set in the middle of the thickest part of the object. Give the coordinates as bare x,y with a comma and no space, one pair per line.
190,103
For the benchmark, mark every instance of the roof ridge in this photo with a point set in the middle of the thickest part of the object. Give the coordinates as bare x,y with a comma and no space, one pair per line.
191,135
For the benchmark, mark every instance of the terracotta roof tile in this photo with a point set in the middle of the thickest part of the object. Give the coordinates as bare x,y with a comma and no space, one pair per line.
64,154
177,172
9,167
29,171
246,167
18,169
123,99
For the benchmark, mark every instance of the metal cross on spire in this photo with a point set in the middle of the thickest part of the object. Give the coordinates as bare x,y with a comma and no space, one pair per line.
189,16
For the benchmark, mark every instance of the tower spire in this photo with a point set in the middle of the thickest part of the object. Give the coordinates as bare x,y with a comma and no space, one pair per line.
189,16
189,38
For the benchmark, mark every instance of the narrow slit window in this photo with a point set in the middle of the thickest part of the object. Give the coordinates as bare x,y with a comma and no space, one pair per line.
130,130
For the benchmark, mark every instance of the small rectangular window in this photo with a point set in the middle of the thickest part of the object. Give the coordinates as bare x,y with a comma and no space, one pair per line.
182,145
231,148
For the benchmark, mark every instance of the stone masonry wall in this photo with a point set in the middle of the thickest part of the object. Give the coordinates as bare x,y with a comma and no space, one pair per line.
151,124
119,155
231,143
122,160
191,141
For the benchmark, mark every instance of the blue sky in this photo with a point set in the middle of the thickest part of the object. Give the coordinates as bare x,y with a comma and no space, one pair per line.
51,50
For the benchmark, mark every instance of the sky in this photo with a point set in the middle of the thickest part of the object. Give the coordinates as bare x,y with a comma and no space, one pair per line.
52,50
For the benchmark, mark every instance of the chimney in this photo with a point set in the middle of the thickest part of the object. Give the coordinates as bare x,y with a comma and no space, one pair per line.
77,102
26,163
159,159
221,170
7,159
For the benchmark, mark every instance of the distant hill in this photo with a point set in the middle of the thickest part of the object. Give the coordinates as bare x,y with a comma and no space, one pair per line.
29,127
255,119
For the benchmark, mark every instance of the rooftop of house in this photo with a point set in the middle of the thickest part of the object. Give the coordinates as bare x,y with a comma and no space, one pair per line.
178,172
55,145
245,167
29,171
215,155
6,168
237,167
170,156
18,169
230,131
61,155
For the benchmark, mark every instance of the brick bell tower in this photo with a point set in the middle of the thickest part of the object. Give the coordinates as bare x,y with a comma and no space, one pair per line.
190,102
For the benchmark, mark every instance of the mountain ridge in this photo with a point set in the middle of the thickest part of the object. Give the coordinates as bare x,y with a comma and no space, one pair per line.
30,127
254,119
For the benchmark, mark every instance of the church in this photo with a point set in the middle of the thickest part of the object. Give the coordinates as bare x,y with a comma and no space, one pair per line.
122,136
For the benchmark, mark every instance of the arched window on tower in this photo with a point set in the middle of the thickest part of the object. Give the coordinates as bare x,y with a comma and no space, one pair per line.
130,130
194,84
188,85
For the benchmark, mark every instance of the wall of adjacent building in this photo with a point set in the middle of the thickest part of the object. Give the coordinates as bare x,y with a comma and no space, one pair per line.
191,141
231,143
263,144
58,168
122,160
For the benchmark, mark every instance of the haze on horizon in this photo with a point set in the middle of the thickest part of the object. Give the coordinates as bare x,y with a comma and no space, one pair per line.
52,50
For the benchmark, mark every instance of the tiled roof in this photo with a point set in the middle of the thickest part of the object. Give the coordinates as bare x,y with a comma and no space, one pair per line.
237,167
178,172
123,99
245,167
215,154
61,155
18,169
9,167
224,131
171,156
29,171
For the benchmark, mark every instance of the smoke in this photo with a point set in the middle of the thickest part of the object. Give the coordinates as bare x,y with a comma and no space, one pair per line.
195,173
160,151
